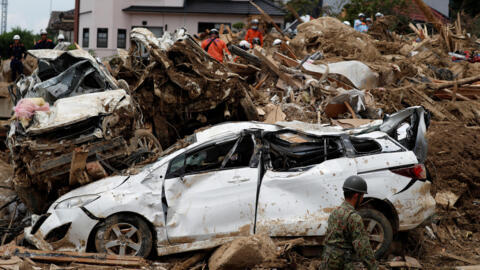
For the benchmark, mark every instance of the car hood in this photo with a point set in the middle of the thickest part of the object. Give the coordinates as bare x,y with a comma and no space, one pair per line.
97,187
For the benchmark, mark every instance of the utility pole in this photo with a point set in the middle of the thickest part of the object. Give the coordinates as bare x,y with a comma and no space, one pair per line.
3,23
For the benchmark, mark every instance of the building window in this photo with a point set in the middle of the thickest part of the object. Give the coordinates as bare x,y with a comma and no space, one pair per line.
102,38
204,26
122,38
85,37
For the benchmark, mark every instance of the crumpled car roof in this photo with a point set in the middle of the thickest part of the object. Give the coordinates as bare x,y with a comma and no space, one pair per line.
67,111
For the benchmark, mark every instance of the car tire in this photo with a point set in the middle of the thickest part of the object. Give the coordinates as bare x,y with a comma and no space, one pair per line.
379,230
124,234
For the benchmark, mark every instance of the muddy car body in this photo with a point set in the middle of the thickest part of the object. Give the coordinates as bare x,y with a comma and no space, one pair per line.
237,179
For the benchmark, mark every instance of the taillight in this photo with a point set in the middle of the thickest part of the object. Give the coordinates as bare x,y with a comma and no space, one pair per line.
416,172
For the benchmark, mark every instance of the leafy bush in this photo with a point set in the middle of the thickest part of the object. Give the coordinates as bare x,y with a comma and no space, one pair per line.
238,25
26,37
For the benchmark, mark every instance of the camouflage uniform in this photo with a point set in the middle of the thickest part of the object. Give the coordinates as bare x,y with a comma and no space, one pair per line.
347,240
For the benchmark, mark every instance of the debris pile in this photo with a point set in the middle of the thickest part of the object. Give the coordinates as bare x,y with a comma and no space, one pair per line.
180,88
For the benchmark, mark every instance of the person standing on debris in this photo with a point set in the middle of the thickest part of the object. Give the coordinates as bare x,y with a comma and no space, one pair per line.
346,240
369,23
379,16
254,33
44,42
17,54
214,46
61,38
360,24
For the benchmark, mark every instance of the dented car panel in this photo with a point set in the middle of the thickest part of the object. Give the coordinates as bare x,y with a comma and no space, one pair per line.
237,179
74,240
299,203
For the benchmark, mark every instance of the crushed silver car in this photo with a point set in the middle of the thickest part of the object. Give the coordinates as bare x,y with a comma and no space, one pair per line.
238,179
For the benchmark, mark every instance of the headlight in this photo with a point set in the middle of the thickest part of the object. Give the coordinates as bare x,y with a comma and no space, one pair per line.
76,201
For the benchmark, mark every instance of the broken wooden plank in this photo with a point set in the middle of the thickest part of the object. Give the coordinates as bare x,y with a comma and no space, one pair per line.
285,60
350,109
471,267
68,257
284,46
188,263
77,167
412,262
438,86
268,60
458,258
245,55
456,95
433,107
294,13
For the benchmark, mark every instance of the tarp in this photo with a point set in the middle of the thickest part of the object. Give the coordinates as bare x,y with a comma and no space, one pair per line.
359,74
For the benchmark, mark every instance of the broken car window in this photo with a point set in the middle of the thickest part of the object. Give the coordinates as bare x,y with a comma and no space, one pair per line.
176,167
212,157
290,150
365,146
208,159
242,155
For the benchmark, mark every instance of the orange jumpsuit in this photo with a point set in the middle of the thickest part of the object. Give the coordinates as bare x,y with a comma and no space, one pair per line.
216,48
251,34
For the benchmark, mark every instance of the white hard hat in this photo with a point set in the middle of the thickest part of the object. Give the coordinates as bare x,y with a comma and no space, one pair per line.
361,15
347,23
369,19
43,32
255,21
61,36
16,37
244,43
277,42
379,14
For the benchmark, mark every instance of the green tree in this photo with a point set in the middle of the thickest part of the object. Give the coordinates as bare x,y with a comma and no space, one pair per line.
304,7
26,37
470,7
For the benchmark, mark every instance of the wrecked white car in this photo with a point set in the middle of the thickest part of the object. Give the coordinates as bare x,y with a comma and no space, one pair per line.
238,179
90,129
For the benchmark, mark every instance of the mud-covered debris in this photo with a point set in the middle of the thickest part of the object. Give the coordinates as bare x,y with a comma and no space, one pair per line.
243,253
180,87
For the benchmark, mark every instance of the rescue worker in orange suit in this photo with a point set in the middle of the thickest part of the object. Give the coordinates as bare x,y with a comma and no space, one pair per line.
44,42
214,46
253,33
17,54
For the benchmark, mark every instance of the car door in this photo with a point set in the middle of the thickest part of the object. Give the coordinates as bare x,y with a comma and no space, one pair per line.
211,192
297,201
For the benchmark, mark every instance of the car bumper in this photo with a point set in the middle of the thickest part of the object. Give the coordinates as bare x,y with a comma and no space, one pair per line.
76,225
414,205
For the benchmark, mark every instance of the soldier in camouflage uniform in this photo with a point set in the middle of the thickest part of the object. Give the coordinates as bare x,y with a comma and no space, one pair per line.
346,240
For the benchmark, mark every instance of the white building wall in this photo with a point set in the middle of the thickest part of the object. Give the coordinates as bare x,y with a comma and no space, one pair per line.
109,14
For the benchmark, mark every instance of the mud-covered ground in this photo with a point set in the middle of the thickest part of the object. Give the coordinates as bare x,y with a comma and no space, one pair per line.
454,163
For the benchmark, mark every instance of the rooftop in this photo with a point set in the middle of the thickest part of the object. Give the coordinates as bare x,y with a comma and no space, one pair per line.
214,6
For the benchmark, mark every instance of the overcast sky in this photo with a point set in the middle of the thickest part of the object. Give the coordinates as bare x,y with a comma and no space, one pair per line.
34,14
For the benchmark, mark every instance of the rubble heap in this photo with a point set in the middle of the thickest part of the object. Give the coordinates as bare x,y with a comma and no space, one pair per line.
180,87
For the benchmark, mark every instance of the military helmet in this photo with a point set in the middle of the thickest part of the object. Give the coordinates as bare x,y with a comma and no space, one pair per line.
355,183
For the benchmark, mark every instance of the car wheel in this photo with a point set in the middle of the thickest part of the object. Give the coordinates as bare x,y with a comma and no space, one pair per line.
125,235
379,230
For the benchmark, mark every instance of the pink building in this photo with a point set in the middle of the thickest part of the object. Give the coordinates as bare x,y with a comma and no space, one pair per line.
104,25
